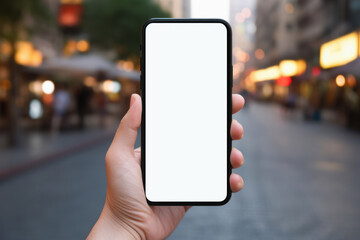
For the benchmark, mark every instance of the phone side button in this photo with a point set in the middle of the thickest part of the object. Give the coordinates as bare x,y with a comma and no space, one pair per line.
232,76
141,81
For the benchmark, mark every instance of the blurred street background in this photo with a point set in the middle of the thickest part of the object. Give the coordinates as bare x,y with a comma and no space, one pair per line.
69,67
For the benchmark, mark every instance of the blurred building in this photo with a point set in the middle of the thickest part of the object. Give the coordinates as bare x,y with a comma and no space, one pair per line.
297,28
186,8
308,52
276,30
177,8
50,41
319,21
57,57
242,16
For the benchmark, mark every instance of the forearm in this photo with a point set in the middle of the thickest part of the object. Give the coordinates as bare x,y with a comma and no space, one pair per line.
108,227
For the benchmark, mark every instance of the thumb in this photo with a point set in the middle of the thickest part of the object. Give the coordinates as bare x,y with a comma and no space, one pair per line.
126,133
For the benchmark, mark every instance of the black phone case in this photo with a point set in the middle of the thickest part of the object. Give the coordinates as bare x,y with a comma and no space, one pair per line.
229,105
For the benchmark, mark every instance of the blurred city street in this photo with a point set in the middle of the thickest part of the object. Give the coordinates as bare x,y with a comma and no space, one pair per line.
67,77
301,182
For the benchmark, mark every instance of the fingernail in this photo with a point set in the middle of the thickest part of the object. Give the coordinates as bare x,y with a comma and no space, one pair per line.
241,184
243,99
132,100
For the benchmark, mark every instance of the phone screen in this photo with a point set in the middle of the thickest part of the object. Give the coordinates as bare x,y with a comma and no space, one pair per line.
186,102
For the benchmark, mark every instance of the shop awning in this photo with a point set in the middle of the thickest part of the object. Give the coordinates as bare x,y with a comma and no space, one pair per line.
91,64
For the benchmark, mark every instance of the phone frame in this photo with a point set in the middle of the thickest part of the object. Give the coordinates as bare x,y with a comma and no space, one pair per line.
229,105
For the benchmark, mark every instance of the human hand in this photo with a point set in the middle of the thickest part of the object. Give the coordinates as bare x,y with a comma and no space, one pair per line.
126,214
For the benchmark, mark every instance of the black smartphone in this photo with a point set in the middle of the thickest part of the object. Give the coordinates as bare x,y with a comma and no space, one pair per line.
186,81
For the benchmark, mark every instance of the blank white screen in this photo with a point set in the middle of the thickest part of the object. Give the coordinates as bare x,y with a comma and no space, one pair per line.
186,112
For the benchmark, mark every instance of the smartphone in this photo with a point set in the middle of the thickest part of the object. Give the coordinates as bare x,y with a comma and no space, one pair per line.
186,81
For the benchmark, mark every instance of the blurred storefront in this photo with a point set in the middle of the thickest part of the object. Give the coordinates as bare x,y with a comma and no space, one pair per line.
58,63
310,57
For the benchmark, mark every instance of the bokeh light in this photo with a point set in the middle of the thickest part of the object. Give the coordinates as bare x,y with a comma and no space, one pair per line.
48,87
83,46
35,109
340,80
289,8
110,86
35,87
259,54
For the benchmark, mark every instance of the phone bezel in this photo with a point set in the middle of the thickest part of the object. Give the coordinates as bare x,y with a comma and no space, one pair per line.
229,106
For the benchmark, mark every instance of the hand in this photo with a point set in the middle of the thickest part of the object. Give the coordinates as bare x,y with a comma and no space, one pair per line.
126,214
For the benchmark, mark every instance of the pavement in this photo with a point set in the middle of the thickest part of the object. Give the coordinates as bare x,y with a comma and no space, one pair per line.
40,147
301,182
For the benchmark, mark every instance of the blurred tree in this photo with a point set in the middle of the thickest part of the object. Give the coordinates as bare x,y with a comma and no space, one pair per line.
116,24
18,19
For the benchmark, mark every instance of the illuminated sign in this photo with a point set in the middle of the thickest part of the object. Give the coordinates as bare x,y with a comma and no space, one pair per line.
339,51
70,15
269,73
289,68
71,1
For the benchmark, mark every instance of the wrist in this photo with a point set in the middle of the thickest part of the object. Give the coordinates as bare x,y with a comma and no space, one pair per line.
109,226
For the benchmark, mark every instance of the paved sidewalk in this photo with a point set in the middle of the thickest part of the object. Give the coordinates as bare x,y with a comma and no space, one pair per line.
301,182
40,147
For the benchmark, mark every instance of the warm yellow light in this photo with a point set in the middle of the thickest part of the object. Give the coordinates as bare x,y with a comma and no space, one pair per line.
107,85
281,91
351,80
267,90
36,58
5,48
340,51
89,81
242,56
4,72
36,87
246,13
269,73
110,86
82,46
48,87
289,8
23,52
259,54
27,55
128,66
5,84
301,65
237,69
289,68
70,48
340,80
71,1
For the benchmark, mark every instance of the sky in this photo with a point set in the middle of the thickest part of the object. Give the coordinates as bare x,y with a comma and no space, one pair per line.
210,9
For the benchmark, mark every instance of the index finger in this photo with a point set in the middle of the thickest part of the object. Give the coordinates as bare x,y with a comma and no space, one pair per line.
237,103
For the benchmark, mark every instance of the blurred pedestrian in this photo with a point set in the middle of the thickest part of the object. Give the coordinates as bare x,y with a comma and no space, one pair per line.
352,107
101,106
61,104
312,109
82,95
290,103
